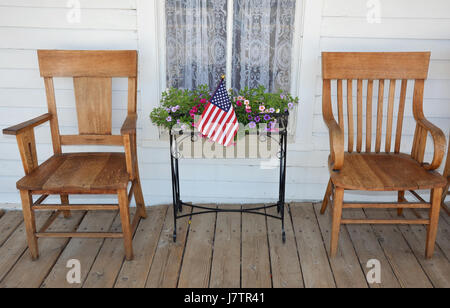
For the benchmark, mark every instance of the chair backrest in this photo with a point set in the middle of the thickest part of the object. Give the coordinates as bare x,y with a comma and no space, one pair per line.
374,68
92,73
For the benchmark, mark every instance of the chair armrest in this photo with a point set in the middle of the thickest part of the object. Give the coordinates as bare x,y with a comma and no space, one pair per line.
17,129
336,143
129,126
439,143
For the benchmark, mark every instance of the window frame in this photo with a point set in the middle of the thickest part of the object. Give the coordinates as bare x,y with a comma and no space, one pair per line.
152,64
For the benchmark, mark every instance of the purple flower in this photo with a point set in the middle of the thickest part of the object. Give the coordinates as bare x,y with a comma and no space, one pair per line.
174,109
169,119
282,96
168,110
291,105
250,117
178,121
252,124
267,117
272,110
257,119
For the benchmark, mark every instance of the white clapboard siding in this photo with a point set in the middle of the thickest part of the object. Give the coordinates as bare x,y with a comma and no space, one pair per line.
28,25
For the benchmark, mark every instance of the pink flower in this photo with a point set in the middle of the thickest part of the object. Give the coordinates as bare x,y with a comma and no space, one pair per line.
248,110
239,103
262,108
203,101
194,110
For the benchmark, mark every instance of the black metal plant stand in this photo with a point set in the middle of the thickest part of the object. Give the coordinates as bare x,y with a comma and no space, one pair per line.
178,204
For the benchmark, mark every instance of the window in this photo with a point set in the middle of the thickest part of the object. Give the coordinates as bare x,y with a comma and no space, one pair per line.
198,43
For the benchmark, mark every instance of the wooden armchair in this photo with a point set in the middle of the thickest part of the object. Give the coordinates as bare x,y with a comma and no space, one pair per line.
67,174
377,170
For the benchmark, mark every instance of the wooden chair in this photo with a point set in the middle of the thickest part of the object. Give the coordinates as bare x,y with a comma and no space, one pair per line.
377,170
67,174
446,191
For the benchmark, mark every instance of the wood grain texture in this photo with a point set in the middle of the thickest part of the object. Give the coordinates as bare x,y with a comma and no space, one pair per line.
313,256
78,172
226,264
255,252
384,172
93,97
19,128
92,63
371,65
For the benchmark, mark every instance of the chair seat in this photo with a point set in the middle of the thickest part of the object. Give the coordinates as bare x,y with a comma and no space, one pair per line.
384,172
78,173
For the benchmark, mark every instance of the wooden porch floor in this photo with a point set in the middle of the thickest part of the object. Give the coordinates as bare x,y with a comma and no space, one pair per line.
227,250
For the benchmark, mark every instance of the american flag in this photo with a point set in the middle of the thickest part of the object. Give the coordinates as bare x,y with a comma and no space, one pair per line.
218,122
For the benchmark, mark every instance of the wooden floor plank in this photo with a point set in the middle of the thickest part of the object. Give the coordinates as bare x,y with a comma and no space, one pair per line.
165,269
226,264
286,271
8,224
313,256
405,265
256,271
196,266
82,249
108,263
345,266
134,273
16,244
368,248
30,274
437,268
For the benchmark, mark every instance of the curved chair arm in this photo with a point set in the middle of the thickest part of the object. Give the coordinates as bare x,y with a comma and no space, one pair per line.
439,143
337,142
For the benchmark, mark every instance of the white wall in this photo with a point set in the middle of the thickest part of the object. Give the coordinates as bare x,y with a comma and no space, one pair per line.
330,25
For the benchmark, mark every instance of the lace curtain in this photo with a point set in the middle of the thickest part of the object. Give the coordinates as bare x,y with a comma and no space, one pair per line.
197,42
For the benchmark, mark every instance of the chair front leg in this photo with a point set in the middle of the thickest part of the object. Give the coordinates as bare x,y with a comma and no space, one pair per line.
126,225
434,221
326,198
337,217
30,223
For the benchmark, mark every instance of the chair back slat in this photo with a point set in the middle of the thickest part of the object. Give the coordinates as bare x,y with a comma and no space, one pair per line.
390,117
379,116
340,100
51,104
401,113
369,109
360,115
351,134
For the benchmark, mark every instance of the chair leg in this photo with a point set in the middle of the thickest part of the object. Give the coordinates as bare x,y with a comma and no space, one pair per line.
139,197
401,198
30,223
126,226
337,217
434,221
65,201
326,198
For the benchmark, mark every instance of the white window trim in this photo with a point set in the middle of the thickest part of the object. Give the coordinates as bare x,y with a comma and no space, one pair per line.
152,63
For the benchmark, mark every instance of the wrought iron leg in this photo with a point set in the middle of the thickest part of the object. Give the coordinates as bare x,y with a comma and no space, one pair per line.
281,202
174,188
